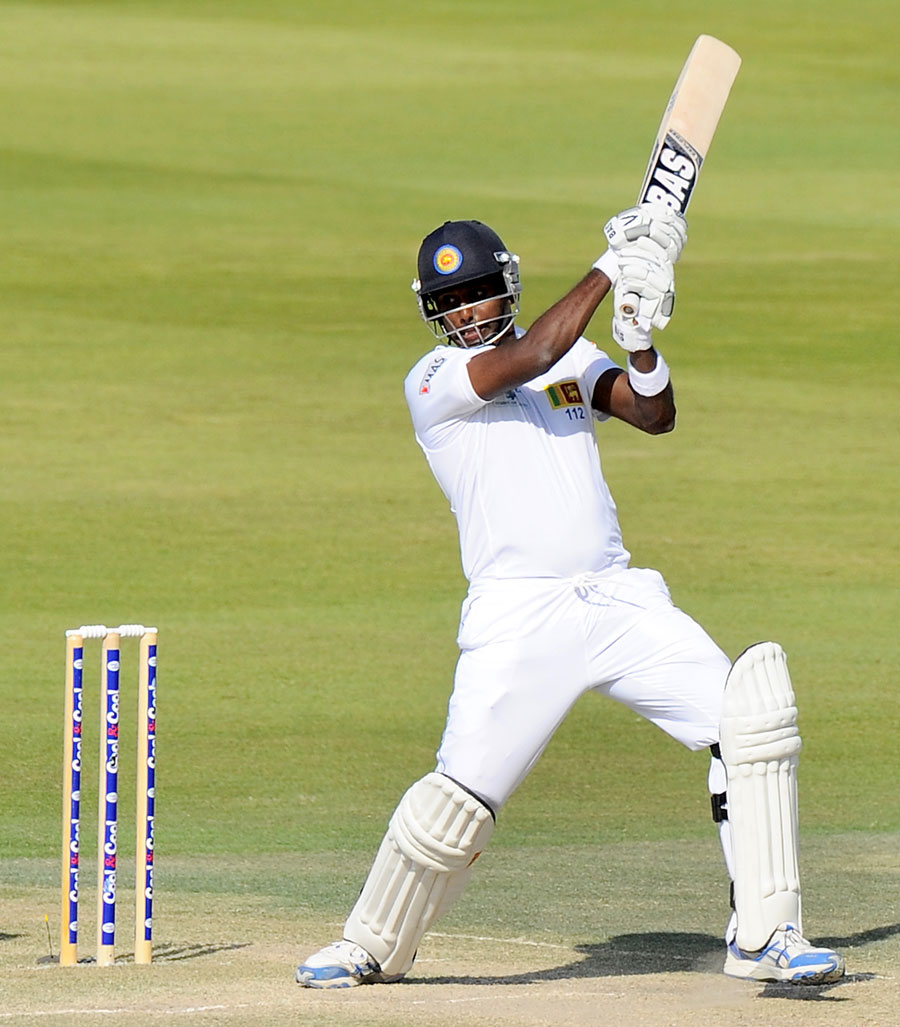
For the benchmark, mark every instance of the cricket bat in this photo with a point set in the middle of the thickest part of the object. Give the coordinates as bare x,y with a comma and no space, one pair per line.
687,129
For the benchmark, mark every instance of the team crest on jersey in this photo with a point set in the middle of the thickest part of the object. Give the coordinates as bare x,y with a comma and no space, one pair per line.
564,394
447,260
425,386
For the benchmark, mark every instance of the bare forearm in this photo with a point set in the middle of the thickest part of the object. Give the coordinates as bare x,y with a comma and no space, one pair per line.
615,394
655,414
644,360
550,337
555,331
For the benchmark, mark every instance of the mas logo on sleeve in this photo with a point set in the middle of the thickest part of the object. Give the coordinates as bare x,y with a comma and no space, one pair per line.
564,394
433,367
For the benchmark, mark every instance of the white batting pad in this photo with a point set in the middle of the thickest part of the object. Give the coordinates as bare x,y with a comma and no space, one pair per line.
435,835
760,747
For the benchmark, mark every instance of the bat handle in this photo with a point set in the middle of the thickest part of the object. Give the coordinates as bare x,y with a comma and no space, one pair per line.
630,305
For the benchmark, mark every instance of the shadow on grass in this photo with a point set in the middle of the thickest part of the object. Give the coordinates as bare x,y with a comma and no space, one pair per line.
622,956
673,952
171,953
863,938
162,953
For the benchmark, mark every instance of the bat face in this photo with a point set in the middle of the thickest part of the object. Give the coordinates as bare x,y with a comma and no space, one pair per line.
689,123
686,131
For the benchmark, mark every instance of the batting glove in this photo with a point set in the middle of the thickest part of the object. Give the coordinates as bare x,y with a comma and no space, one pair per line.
645,289
632,334
660,231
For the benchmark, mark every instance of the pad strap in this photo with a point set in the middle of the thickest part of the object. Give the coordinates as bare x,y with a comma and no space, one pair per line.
718,800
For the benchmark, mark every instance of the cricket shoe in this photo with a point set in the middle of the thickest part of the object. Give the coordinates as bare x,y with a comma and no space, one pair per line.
339,965
789,957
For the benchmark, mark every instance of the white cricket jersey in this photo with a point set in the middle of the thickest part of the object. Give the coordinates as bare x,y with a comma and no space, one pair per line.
522,471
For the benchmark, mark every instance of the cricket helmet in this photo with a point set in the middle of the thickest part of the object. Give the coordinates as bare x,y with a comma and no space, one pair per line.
457,253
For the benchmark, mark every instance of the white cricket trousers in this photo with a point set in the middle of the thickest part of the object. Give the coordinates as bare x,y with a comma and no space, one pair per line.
531,647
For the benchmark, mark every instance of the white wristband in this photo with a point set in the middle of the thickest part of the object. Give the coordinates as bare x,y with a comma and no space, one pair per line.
649,383
608,264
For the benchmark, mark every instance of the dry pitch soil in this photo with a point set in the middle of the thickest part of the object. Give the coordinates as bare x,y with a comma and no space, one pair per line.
213,967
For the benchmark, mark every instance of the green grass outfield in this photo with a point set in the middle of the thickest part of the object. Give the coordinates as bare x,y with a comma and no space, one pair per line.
210,217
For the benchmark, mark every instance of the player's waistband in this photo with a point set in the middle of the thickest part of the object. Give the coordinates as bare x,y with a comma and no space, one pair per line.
584,579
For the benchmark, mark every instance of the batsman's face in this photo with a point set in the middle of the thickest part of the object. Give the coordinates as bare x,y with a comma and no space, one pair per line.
473,312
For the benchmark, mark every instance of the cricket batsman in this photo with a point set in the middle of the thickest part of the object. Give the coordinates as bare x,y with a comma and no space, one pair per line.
506,419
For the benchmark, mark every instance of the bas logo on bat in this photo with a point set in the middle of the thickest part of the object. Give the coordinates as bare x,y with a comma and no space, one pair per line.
672,178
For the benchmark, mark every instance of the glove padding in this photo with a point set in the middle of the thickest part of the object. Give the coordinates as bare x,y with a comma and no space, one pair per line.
645,289
632,334
656,230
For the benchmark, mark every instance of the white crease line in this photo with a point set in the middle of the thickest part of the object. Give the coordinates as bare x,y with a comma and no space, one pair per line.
184,1010
502,941
529,996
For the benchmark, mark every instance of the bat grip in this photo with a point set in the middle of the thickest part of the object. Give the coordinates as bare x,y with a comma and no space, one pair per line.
630,305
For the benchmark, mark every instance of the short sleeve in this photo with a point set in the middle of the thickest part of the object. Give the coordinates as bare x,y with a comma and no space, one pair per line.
439,390
592,363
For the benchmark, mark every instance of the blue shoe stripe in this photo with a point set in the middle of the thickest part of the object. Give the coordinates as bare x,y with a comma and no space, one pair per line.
814,959
808,962
323,973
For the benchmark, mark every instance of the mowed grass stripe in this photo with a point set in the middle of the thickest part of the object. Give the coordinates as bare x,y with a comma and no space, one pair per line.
211,218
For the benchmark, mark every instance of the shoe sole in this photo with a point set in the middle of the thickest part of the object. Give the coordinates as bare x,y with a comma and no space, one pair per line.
308,979
773,975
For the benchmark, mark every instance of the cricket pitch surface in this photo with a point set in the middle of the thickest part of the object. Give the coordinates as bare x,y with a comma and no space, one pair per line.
227,956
